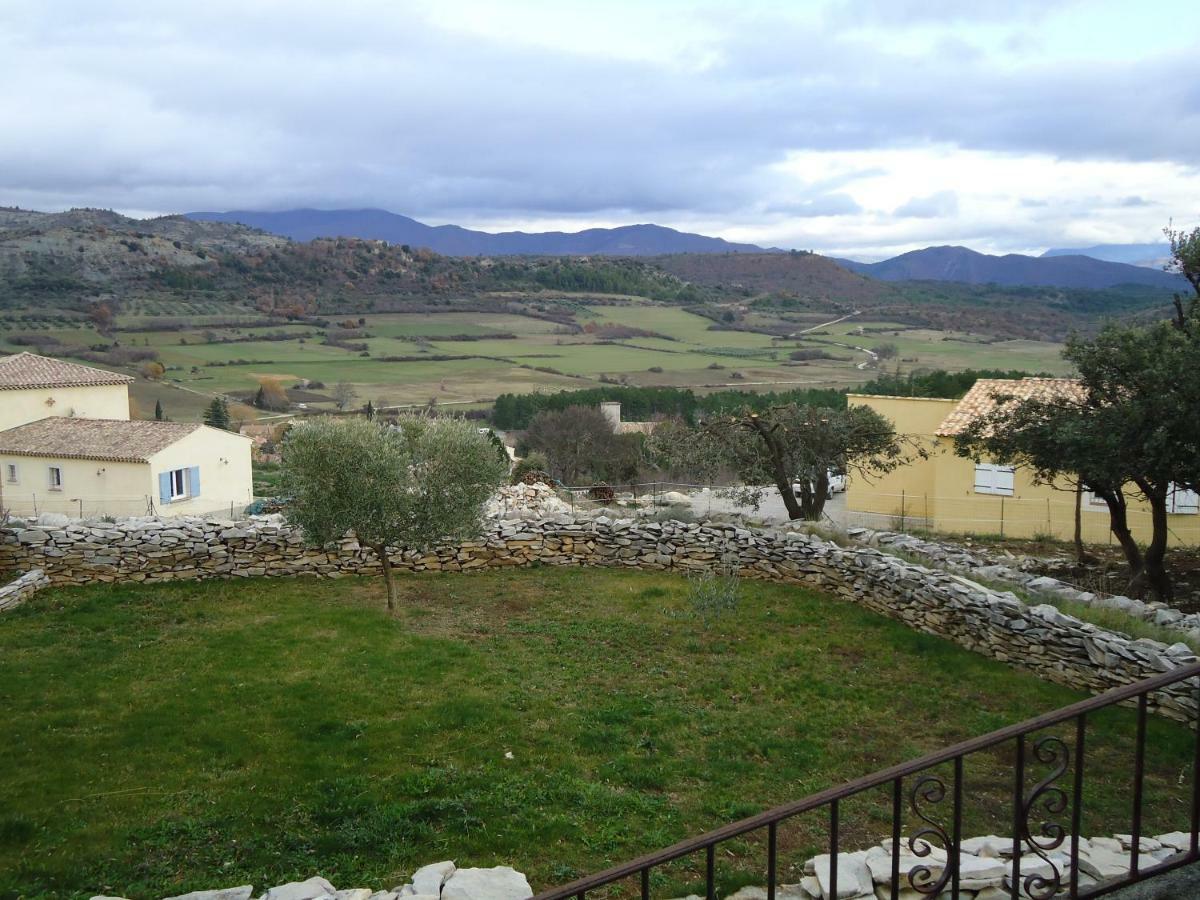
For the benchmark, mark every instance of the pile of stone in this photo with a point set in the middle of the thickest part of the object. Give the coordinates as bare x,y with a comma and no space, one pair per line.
526,501
437,881
985,868
978,564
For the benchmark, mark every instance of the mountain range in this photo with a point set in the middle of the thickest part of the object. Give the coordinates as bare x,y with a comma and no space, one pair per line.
1098,267
1150,255
971,267
453,240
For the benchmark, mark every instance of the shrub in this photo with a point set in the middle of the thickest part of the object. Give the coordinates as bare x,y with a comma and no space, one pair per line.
712,593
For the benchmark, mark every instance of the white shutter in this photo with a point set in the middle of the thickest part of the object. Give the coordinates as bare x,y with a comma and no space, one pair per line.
993,479
983,478
1005,480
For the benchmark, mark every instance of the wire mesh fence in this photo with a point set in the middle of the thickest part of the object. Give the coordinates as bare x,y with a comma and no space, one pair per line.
1047,517
118,506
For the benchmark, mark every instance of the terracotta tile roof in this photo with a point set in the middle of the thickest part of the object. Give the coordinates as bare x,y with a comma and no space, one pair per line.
113,440
984,398
28,370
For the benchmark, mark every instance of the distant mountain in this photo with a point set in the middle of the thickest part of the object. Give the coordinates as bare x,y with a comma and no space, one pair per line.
962,264
1152,256
452,240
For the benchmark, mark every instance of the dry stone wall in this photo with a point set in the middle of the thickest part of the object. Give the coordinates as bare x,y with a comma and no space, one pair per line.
1038,638
977,562
22,588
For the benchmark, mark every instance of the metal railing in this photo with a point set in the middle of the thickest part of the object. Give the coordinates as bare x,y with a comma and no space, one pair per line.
926,790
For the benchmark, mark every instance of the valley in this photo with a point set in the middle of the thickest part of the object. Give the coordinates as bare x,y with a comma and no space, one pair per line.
205,309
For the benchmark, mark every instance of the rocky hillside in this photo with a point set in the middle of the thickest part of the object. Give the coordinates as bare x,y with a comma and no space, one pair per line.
94,248
805,275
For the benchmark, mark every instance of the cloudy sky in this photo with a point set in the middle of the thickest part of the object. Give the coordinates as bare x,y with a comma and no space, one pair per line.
863,127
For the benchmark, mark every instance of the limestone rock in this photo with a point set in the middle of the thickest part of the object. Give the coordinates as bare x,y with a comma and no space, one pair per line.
243,892
499,883
853,877
429,879
310,889
1175,840
1102,862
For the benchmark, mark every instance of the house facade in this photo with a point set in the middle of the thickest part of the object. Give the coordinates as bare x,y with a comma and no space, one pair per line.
33,387
952,494
60,461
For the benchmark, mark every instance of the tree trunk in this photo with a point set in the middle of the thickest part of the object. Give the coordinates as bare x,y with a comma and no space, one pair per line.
386,562
1079,523
780,474
794,509
1154,579
1119,523
813,496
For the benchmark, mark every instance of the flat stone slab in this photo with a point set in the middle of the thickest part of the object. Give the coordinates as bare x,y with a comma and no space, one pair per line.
242,892
500,883
310,889
429,879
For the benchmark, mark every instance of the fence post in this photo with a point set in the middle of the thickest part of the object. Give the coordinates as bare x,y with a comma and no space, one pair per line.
902,510
1002,516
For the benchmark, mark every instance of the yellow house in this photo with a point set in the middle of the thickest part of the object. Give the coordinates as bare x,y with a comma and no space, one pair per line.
91,467
947,493
33,387
68,446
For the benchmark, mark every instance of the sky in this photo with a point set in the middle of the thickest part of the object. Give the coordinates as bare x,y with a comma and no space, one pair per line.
853,127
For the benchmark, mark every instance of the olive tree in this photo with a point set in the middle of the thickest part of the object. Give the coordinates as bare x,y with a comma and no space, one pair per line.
793,447
413,485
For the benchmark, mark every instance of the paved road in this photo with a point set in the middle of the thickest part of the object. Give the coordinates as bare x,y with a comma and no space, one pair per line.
771,510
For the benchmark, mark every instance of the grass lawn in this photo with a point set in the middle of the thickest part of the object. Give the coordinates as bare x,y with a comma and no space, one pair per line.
160,739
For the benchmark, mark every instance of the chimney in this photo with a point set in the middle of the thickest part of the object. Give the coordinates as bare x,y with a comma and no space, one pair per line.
612,412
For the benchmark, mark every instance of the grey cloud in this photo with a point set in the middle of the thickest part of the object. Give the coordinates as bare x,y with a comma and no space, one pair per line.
235,106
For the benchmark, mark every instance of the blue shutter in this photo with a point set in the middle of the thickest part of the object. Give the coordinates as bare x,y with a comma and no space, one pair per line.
164,487
194,481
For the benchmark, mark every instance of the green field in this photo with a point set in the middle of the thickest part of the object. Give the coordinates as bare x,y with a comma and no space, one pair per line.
409,359
161,739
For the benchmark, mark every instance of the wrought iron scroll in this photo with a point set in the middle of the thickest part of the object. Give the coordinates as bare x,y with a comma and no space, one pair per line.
1047,799
930,790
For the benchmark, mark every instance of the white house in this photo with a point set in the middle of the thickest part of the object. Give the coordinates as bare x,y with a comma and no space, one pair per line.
77,452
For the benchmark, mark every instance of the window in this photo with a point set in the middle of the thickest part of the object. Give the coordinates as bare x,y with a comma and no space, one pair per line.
1182,502
11,473
993,479
179,484
55,478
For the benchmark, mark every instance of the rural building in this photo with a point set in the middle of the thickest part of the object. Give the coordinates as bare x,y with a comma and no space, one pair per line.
70,447
33,387
952,494
612,411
